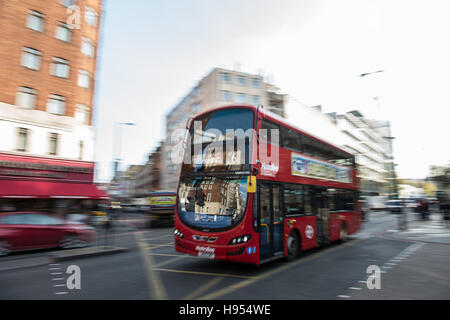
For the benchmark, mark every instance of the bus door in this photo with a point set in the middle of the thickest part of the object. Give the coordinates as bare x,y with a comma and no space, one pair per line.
270,220
322,215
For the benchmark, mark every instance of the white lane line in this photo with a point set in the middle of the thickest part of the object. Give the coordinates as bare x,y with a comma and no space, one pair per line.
342,296
362,281
59,285
354,288
55,273
54,269
57,279
63,292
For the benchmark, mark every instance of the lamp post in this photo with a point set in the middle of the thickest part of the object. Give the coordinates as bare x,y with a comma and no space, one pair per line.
117,144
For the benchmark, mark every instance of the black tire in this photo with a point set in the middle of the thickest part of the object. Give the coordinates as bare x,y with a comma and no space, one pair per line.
4,247
70,241
293,246
343,234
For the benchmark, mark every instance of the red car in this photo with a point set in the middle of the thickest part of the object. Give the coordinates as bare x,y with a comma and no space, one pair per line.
36,230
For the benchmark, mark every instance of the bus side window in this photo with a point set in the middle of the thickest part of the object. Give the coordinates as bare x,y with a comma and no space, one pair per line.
308,192
269,132
293,199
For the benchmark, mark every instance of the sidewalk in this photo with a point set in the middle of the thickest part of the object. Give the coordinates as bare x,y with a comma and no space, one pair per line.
433,230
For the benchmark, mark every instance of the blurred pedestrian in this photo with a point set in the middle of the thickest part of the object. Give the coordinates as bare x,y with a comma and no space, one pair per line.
423,209
444,208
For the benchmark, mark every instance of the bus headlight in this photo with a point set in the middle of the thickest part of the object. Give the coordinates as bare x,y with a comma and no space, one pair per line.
241,239
178,233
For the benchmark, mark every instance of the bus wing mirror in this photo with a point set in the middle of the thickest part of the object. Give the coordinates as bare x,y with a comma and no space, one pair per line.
251,184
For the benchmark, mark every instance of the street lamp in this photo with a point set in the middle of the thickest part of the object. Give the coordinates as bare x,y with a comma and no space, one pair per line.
117,144
369,73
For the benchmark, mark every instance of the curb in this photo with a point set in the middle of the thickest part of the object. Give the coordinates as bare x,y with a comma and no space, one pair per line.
83,253
25,263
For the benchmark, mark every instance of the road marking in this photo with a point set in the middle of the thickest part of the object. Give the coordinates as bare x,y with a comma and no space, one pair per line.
342,296
169,261
170,255
156,246
63,292
229,275
244,283
59,285
55,273
362,281
203,288
57,279
154,281
354,288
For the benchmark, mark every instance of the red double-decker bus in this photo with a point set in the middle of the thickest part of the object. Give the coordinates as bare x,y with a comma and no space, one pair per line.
254,188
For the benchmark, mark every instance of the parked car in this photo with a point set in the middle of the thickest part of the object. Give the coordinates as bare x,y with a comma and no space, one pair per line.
36,230
394,206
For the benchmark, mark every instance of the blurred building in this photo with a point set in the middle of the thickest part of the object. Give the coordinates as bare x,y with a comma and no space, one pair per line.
48,58
220,87
369,140
139,180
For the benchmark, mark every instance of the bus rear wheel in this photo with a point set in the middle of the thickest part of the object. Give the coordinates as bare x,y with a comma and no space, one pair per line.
343,233
293,246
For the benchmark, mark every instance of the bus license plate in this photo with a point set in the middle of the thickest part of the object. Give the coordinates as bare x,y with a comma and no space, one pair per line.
205,252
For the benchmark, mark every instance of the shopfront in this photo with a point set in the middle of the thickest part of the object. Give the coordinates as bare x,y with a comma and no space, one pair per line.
56,186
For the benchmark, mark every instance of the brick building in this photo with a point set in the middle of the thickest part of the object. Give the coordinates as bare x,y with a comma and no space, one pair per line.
48,60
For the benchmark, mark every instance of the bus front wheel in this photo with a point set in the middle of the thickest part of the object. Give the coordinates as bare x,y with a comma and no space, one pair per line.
293,246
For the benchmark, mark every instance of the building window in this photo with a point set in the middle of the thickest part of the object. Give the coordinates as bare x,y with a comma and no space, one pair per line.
22,139
255,82
225,95
68,3
31,58
80,149
26,98
225,77
60,67
241,80
35,21
87,47
256,100
63,32
56,104
53,144
241,98
90,16
83,79
82,113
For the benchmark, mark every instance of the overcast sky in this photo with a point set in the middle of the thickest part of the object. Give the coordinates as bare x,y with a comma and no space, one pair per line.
153,52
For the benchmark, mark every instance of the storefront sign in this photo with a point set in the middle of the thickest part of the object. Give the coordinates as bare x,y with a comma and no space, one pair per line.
43,166
316,169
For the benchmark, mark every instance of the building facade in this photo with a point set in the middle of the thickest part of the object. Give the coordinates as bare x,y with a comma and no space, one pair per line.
369,140
48,61
220,87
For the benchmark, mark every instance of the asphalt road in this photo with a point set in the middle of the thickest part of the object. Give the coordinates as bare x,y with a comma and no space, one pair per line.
151,269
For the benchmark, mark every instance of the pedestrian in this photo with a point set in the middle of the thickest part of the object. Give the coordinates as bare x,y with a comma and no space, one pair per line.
423,209
444,207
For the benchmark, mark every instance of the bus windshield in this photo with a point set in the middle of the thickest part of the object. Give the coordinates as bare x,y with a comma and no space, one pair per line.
220,141
212,202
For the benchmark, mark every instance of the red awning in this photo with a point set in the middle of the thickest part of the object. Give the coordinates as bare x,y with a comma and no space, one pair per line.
14,189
